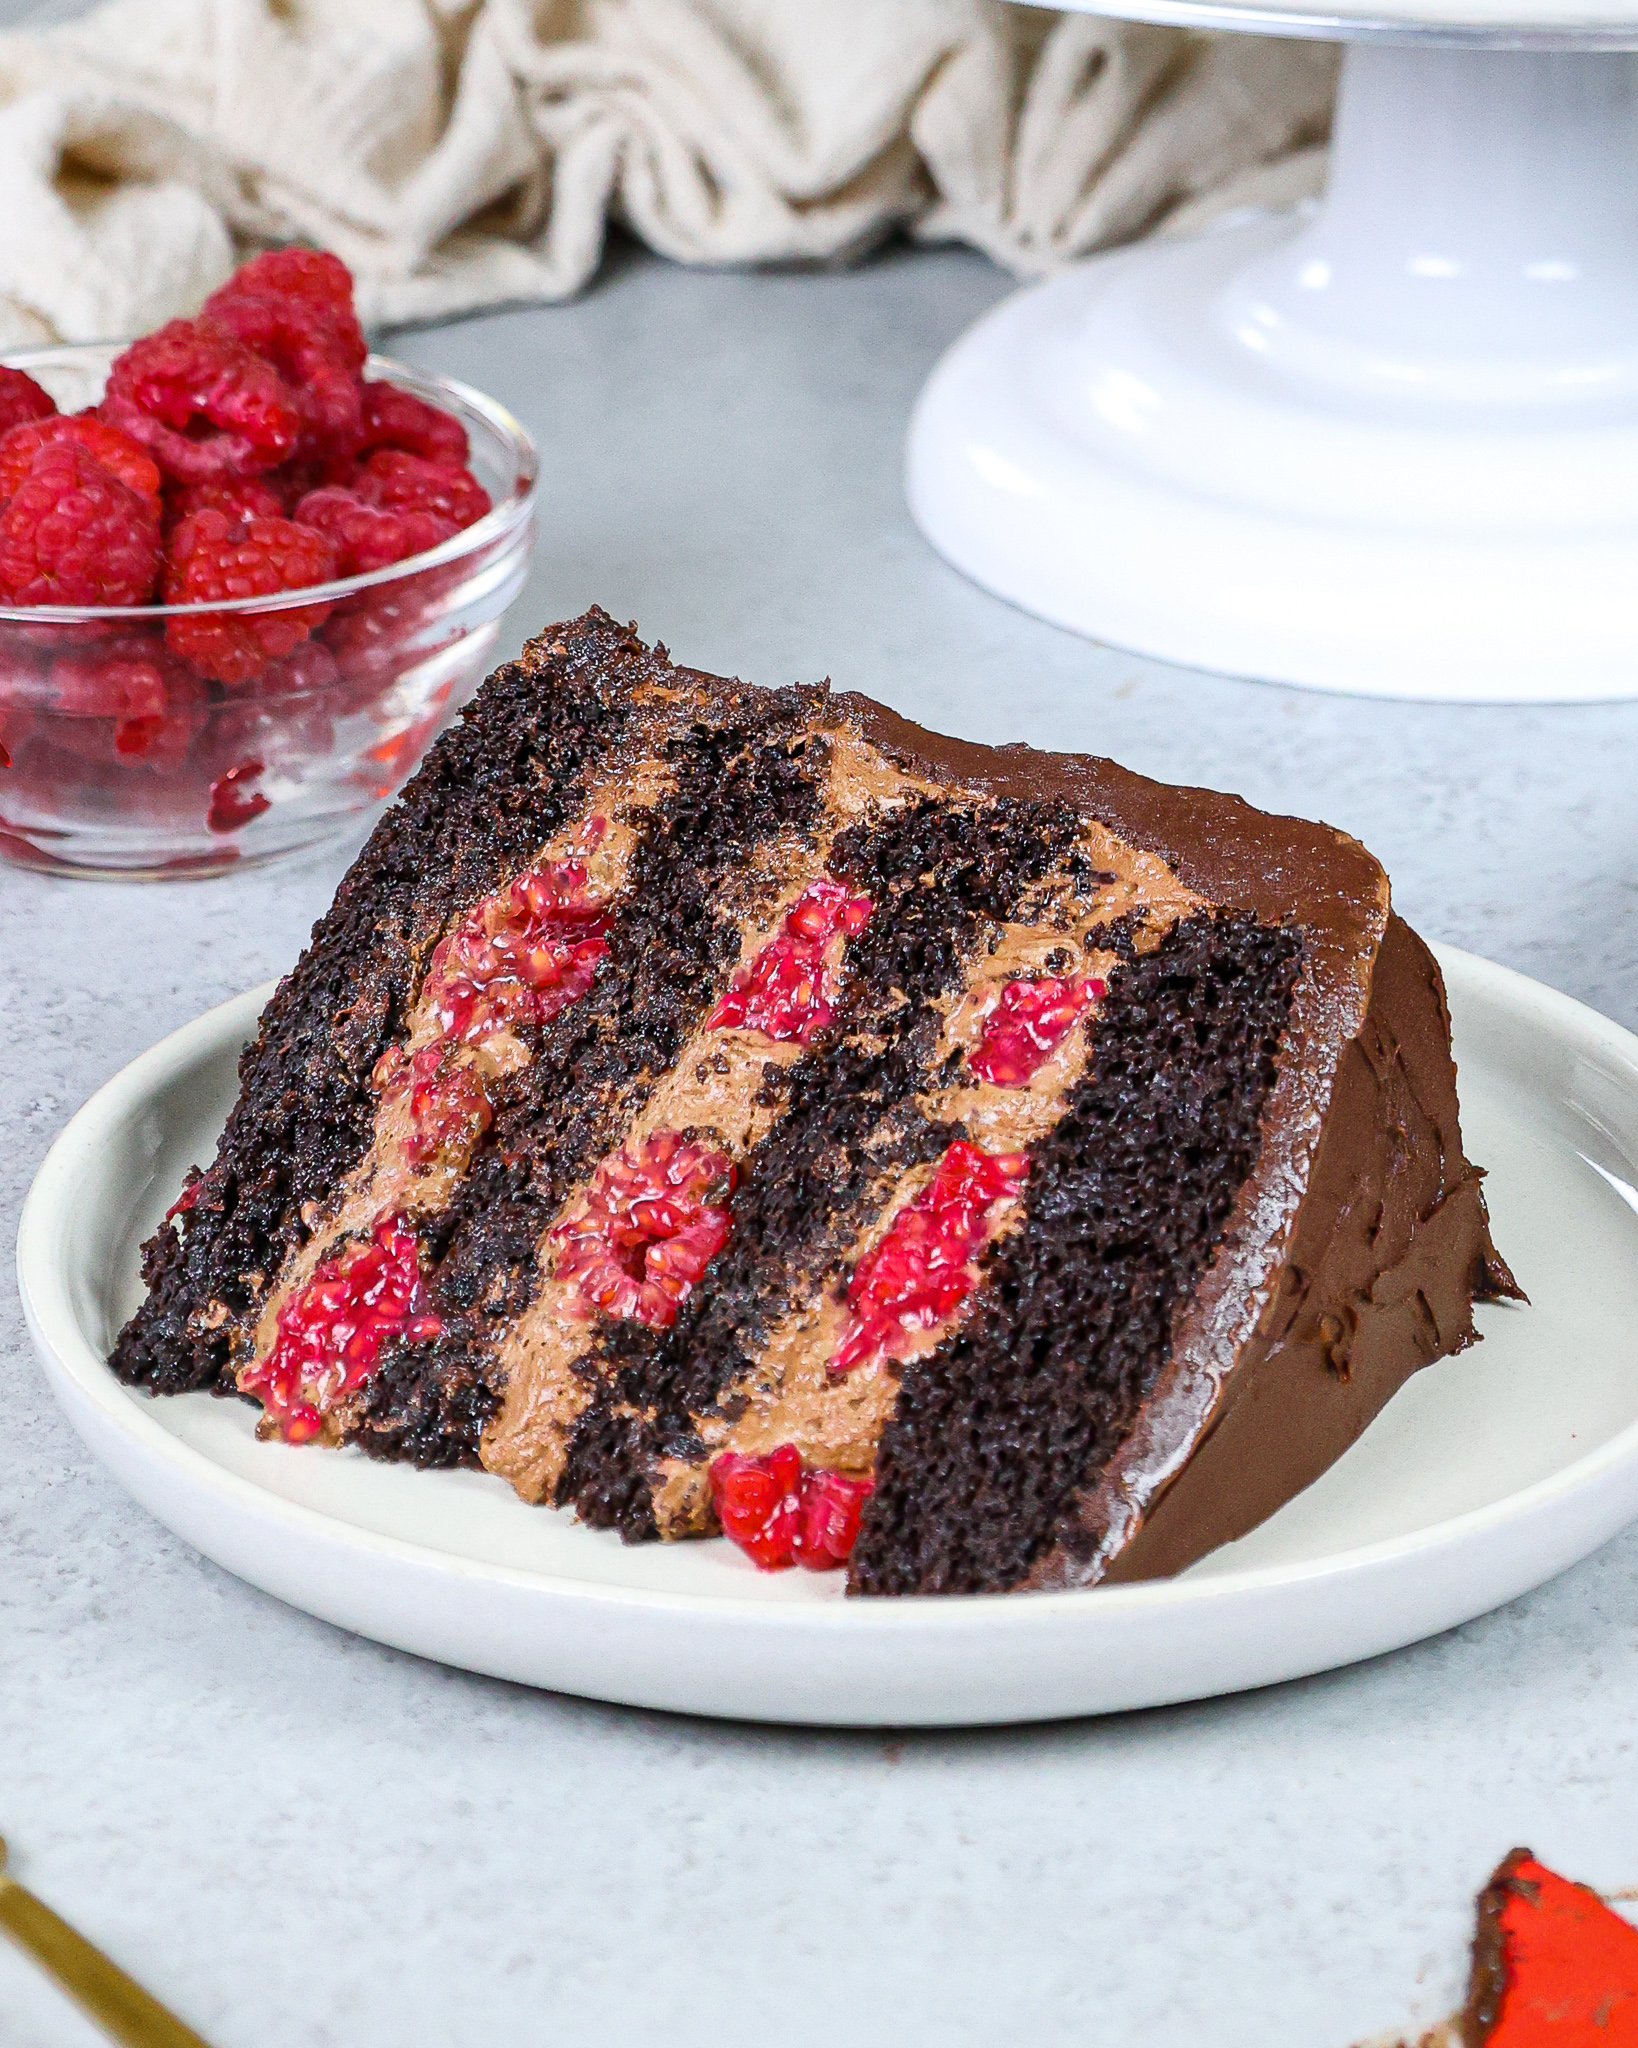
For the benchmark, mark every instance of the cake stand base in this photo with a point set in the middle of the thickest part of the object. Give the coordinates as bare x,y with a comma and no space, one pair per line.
1389,446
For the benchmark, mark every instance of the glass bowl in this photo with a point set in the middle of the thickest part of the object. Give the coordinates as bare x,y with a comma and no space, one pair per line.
116,760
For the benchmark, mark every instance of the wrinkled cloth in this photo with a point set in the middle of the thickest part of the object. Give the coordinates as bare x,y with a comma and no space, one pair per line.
467,153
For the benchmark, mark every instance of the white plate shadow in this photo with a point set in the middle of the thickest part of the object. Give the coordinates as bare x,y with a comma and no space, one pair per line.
1487,1475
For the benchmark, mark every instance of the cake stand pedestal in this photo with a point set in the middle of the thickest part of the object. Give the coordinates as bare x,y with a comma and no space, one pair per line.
1388,444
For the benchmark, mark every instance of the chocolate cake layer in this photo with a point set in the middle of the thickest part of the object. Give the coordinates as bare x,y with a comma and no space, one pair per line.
486,797
984,1466
694,1084
738,786
1390,1251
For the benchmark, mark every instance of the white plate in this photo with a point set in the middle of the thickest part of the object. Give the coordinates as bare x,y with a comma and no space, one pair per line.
1488,1474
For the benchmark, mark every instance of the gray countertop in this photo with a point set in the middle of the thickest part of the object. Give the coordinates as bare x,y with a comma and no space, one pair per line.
300,1838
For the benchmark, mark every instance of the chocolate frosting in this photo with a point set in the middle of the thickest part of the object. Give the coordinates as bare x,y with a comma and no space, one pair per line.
1360,1239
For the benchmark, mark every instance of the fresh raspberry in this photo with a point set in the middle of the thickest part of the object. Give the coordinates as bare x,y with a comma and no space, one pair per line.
828,1527
1027,1020
294,308
324,391
313,277
639,1241
781,1512
127,705
759,1502
44,639
156,732
368,635
117,452
74,534
307,671
158,706
134,737
299,337
211,558
366,539
87,686
331,421
923,1269
332,1332
396,482
785,992
232,802
398,419
172,737
22,399
240,497
201,403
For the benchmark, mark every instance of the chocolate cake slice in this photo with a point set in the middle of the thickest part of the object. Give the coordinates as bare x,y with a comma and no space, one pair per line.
714,1108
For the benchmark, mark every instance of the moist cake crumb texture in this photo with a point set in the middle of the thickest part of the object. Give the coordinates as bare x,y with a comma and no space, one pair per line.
724,1110
981,1467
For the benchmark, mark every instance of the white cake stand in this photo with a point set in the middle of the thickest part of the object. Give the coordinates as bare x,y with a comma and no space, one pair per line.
1388,444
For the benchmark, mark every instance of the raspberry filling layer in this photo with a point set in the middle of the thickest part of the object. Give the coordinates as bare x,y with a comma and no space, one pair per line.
786,992
651,1222
521,955
517,957
781,1512
331,1333
448,1108
1029,1020
923,1269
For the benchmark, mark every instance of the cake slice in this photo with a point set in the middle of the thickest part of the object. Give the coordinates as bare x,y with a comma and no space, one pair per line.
713,1108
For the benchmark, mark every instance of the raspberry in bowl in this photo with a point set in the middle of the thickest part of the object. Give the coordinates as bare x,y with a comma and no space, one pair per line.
246,571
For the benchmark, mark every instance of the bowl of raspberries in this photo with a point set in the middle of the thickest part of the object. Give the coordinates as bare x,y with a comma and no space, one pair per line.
246,571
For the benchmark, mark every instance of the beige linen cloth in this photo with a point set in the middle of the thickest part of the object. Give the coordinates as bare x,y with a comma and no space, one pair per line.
466,153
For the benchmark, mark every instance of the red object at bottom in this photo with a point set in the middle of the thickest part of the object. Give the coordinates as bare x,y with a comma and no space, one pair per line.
1553,1966
782,1513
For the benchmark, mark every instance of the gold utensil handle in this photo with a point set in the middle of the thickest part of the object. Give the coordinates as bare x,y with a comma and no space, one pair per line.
119,2005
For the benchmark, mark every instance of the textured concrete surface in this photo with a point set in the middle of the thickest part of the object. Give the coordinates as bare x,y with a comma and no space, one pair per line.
302,1839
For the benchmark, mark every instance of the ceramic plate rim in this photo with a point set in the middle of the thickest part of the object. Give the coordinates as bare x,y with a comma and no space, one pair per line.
72,1361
